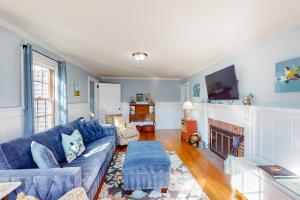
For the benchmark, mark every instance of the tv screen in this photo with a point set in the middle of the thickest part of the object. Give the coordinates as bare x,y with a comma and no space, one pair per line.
222,85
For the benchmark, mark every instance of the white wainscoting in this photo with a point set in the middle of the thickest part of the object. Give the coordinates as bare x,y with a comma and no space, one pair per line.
277,136
168,114
11,123
11,119
77,110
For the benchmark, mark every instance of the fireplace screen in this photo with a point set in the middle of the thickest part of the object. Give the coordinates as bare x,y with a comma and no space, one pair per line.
221,142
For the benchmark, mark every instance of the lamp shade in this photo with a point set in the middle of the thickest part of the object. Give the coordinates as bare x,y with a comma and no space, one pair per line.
187,106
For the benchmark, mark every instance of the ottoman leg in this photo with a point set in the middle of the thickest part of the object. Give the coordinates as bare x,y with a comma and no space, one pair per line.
128,192
164,190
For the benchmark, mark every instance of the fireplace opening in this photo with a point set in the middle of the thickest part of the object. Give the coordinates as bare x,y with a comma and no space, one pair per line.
223,142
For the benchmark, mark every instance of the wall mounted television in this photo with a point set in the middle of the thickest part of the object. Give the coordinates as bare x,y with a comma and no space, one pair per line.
222,85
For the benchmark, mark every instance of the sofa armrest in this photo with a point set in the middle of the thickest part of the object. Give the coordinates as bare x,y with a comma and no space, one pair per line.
109,130
43,183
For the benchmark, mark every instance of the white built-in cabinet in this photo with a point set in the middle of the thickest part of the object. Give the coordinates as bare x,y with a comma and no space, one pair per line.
109,100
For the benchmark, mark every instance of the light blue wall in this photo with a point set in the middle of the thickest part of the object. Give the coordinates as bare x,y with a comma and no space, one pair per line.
160,90
76,74
255,70
10,71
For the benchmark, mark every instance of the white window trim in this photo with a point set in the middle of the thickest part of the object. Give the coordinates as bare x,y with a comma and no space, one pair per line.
51,64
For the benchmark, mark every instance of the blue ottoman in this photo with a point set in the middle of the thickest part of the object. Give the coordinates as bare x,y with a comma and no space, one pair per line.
146,166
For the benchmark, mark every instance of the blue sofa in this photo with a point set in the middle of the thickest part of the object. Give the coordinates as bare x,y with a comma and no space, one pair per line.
16,164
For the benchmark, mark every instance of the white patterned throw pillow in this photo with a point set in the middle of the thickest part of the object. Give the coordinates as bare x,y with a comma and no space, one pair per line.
73,145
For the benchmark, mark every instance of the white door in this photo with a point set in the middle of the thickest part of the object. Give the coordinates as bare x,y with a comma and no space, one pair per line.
109,100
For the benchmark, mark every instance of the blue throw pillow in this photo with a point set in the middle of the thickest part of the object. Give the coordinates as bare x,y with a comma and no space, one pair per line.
73,145
42,156
91,130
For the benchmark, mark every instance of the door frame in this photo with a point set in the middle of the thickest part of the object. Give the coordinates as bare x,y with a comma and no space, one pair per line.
96,95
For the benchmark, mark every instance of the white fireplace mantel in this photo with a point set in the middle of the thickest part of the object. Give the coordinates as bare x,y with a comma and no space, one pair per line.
270,133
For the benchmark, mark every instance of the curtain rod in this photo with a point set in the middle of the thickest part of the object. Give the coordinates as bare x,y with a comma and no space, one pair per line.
44,55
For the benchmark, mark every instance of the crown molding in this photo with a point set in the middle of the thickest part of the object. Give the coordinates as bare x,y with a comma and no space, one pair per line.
282,29
30,38
139,78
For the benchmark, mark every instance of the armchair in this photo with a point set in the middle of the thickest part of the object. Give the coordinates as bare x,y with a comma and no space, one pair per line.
126,132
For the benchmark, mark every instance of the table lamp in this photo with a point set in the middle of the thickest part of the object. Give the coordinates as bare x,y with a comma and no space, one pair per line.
187,107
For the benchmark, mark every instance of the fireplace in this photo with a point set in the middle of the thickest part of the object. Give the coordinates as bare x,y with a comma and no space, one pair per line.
221,140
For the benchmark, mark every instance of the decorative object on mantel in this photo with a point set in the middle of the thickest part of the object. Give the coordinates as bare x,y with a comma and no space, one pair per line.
247,100
195,139
147,96
288,75
76,89
132,99
187,107
139,97
196,90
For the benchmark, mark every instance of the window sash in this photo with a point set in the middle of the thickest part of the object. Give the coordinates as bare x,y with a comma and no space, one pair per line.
45,79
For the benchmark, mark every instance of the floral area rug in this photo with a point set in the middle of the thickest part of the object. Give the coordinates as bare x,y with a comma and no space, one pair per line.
182,183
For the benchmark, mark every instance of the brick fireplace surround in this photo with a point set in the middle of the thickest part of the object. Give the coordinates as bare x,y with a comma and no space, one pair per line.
237,130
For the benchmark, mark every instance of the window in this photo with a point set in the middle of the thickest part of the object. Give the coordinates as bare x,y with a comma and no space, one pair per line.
44,93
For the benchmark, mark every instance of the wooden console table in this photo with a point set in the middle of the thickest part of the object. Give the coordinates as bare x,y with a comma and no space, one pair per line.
142,112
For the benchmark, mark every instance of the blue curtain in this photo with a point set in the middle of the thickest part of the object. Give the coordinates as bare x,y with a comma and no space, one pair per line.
28,91
62,93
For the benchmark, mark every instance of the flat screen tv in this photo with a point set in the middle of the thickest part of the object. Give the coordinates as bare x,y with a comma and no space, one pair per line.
222,85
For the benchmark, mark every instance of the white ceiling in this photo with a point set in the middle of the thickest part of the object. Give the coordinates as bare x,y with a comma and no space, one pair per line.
180,36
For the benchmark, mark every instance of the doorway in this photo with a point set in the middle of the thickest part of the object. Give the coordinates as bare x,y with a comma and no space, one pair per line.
93,97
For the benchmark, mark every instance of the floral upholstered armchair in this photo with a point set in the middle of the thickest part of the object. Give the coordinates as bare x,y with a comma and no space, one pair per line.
126,132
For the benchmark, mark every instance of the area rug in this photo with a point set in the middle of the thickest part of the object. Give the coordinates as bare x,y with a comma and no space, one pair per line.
182,183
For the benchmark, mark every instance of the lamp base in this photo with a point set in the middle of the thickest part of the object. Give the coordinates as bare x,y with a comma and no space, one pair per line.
187,114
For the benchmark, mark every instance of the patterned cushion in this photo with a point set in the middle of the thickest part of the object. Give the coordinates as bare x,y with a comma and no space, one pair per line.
73,145
42,156
90,131
110,118
119,122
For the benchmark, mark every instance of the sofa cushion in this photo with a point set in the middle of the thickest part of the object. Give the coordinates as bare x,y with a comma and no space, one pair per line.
73,145
70,127
42,156
104,143
22,158
91,160
90,131
17,153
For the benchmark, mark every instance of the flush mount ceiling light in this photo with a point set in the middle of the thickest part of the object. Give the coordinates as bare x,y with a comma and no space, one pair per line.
139,56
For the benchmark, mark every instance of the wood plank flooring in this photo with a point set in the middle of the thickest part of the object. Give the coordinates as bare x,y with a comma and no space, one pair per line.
209,176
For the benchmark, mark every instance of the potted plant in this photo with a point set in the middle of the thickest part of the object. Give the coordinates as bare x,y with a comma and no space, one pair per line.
248,100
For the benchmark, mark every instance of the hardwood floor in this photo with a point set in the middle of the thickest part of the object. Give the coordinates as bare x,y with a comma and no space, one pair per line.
210,177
